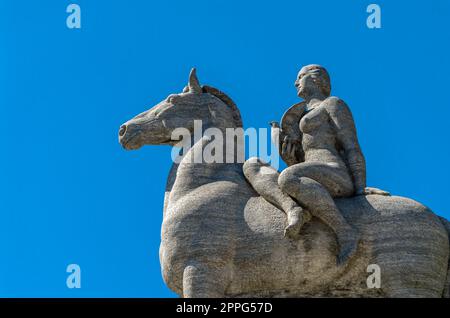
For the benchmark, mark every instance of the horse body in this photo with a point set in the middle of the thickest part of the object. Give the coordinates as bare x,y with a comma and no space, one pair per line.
216,223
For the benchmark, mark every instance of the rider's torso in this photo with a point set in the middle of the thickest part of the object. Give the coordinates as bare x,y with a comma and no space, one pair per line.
319,140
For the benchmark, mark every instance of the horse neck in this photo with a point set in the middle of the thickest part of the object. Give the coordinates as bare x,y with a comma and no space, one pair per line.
194,170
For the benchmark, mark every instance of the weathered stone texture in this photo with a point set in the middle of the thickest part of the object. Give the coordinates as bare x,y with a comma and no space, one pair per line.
239,230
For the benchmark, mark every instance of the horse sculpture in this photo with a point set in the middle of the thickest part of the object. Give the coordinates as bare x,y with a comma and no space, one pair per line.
221,239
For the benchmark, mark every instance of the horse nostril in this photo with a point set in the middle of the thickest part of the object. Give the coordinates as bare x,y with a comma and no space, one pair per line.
122,130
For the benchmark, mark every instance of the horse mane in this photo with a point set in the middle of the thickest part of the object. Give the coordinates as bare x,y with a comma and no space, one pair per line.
227,100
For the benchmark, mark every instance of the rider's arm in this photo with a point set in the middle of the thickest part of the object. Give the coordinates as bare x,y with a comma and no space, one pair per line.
346,134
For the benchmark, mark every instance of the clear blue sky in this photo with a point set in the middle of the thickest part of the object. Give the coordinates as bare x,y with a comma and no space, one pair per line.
70,194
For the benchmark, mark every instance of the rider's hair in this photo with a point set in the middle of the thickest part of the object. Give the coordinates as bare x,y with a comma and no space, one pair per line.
323,78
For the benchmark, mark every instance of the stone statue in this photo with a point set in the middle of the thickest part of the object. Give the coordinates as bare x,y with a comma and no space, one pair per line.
311,231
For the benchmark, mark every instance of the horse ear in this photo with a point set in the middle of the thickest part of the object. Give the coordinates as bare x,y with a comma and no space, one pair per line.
194,85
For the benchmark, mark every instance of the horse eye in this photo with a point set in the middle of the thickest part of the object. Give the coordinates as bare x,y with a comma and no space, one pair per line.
171,99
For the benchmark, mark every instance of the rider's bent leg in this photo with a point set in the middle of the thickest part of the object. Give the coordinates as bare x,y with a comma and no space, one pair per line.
312,194
264,180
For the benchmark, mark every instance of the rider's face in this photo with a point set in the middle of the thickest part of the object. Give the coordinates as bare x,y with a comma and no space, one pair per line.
305,83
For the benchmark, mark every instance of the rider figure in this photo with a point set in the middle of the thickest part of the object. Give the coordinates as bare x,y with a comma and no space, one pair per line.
333,165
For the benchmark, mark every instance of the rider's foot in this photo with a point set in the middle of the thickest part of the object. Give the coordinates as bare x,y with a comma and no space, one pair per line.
348,245
296,218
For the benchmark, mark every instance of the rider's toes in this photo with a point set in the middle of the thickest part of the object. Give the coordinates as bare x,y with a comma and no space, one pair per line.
292,231
346,254
296,219
348,248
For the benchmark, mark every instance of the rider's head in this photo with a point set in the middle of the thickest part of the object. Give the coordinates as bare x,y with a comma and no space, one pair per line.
313,80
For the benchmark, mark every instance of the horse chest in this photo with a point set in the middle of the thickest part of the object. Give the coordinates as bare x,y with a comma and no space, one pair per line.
200,223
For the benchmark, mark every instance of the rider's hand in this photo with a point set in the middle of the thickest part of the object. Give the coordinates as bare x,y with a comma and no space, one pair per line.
289,148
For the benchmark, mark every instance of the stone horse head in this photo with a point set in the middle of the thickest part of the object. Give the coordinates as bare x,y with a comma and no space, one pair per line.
156,126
